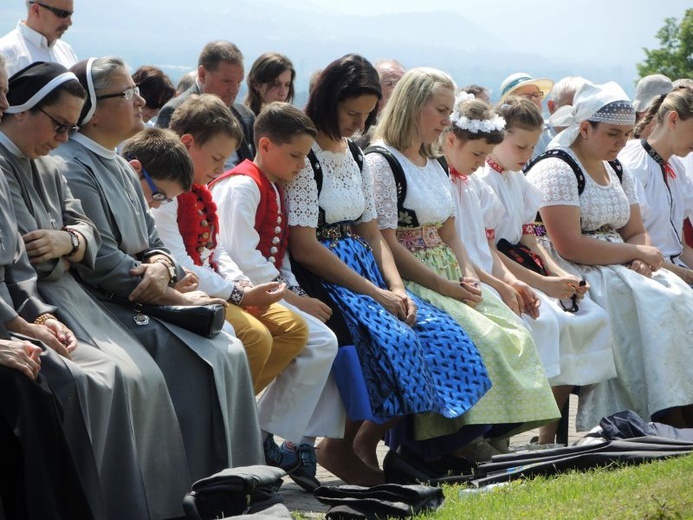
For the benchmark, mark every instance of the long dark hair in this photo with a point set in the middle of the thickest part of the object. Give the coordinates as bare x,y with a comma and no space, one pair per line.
347,77
266,69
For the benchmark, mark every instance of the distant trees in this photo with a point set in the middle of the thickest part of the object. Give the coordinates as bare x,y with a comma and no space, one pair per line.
675,57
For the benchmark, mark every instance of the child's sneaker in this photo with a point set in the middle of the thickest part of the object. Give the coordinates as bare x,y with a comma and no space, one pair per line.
304,474
288,460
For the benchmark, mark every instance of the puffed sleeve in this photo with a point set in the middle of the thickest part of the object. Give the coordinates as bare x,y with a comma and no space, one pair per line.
557,182
645,208
687,191
492,208
532,197
384,190
369,212
301,199
627,182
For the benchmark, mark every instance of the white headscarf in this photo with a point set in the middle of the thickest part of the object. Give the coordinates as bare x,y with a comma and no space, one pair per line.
607,103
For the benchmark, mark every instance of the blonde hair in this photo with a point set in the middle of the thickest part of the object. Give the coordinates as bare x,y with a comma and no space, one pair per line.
679,101
399,122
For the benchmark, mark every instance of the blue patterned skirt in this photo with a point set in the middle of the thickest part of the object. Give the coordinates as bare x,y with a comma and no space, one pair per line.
431,367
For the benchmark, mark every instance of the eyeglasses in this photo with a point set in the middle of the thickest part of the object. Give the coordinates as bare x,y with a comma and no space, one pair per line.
533,95
60,13
128,94
60,128
157,194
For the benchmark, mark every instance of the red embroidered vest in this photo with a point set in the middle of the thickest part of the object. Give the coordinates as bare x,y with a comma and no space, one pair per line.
270,222
198,222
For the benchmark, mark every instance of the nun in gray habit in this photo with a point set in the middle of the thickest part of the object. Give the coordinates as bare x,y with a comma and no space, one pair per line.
45,98
88,383
74,377
208,379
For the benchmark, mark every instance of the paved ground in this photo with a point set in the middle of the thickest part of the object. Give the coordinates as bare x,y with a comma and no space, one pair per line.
300,501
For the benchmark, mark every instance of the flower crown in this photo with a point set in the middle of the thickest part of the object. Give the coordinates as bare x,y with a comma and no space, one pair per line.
496,123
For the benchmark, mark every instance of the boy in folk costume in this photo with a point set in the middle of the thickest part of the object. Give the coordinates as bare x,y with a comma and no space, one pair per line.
187,222
271,334
253,229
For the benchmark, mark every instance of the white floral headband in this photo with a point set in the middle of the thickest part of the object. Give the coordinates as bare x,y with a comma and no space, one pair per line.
496,123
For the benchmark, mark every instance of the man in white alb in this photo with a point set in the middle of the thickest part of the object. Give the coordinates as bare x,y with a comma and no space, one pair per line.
38,37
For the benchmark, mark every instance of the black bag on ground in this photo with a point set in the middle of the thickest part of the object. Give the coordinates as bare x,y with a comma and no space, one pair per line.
382,501
504,468
234,491
624,438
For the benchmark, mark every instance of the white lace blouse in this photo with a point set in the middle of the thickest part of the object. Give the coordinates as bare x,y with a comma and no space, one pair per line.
599,205
346,195
429,193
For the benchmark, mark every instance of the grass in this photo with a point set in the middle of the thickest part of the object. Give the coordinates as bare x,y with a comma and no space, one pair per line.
660,490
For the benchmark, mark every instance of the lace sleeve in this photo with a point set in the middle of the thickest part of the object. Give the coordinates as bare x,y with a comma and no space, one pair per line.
301,199
557,182
628,184
384,191
369,212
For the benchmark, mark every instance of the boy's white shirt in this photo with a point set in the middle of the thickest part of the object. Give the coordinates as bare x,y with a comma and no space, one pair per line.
237,198
217,284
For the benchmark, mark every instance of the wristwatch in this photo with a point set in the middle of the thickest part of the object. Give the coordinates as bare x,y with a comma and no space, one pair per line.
172,277
74,241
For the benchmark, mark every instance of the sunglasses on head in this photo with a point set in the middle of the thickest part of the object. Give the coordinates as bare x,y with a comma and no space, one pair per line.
60,13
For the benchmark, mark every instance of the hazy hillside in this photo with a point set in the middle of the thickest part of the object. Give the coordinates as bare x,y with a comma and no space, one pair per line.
171,37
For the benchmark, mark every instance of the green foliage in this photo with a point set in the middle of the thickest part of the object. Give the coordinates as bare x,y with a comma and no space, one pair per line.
675,57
